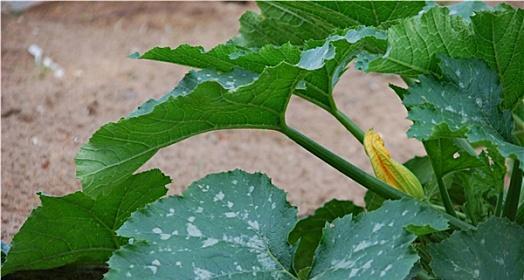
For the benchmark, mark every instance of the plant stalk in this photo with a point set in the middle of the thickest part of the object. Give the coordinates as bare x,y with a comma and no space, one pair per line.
355,173
343,166
446,199
513,195
352,127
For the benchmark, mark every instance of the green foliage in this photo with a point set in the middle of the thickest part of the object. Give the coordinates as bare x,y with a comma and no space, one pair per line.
132,141
499,38
327,59
413,44
493,36
76,229
308,232
494,251
236,224
463,66
464,103
299,21
230,224
375,244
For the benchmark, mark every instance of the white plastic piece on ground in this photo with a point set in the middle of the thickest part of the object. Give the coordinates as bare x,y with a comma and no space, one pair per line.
36,52
47,62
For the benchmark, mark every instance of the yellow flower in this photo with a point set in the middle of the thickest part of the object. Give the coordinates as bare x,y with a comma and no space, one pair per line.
387,169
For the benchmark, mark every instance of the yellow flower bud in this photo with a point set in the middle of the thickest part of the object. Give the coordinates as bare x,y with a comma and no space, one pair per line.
387,169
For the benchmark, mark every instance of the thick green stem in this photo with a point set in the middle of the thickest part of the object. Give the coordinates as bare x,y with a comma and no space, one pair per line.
352,127
355,173
446,199
512,197
343,166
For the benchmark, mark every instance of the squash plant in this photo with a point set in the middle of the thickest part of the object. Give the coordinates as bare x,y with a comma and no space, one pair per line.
456,213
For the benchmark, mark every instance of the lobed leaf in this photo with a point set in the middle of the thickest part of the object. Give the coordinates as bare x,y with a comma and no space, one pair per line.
76,229
116,150
494,251
499,37
327,59
212,99
464,103
377,244
413,44
298,21
235,225
226,225
493,35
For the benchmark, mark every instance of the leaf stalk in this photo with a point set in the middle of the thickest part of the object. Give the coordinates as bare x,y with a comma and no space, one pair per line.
355,173
348,169
352,127
446,199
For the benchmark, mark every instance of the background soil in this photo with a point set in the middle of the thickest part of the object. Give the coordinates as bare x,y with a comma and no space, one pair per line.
46,119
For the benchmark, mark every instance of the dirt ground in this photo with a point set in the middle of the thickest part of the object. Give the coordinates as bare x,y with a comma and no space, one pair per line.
45,119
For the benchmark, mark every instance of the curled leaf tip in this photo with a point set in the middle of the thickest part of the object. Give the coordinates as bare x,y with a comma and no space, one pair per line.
389,170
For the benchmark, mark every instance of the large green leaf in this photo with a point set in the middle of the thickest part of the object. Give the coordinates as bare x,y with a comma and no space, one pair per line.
494,251
228,80
231,94
413,44
377,244
494,35
308,232
298,21
499,37
464,103
77,229
327,59
118,149
227,225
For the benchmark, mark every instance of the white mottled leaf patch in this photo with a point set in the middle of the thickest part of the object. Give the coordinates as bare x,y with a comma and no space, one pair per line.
226,225
375,245
494,251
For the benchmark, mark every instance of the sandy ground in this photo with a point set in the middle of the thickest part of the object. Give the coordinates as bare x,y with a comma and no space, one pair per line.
46,119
